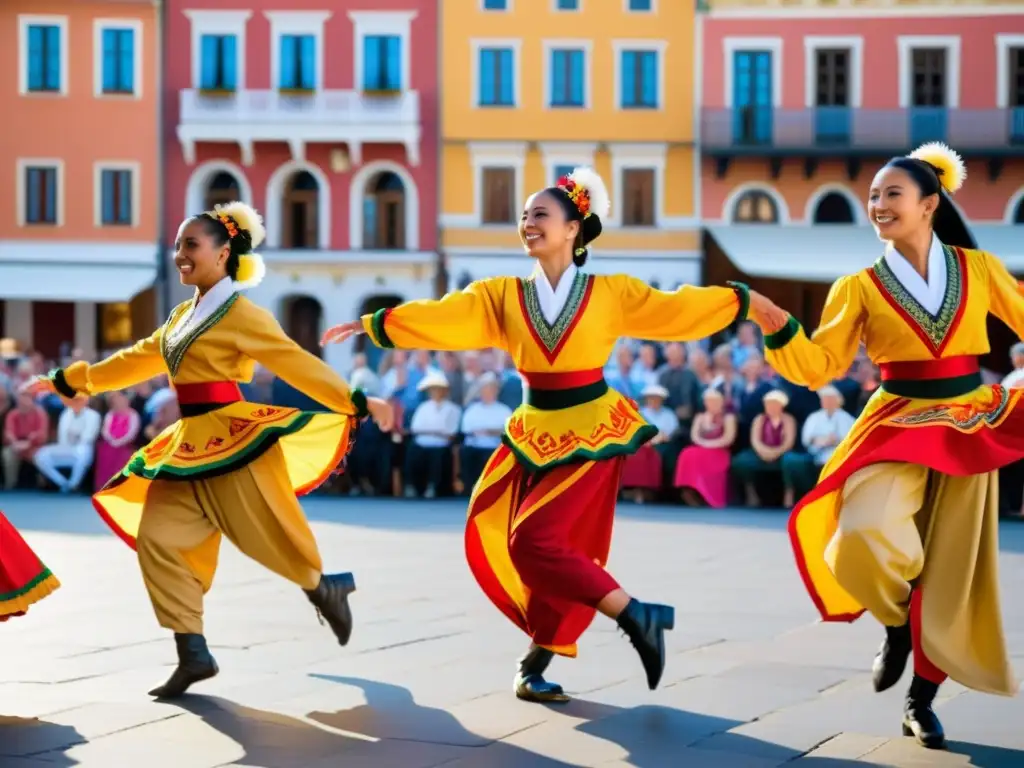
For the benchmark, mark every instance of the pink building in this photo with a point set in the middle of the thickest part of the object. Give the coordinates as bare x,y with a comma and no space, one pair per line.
325,120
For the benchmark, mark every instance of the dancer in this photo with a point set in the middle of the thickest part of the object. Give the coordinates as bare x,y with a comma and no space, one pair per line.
24,580
904,520
540,517
227,467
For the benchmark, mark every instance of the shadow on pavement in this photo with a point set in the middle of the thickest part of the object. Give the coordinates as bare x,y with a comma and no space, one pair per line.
984,756
29,737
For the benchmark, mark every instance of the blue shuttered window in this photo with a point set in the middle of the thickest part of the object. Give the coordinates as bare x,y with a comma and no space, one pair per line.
496,78
298,57
639,5
495,5
562,170
40,195
118,61
44,56
116,197
567,78
382,63
568,5
640,79
218,63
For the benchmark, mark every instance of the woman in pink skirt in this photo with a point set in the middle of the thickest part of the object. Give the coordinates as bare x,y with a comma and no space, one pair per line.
117,438
702,473
643,472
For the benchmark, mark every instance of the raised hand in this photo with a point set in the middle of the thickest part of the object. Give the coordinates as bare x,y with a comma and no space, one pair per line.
38,385
340,333
381,412
766,313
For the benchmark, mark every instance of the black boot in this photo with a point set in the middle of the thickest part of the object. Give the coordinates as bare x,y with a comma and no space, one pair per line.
891,659
195,663
645,625
919,719
530,684
331,601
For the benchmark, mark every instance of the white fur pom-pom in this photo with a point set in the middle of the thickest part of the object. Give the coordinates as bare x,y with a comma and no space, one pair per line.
952,166
247,218
587,178
251,271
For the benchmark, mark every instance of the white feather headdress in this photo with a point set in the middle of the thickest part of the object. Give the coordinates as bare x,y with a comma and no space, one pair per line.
588,180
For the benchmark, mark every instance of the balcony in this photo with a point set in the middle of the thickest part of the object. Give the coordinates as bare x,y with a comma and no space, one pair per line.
765,131
327,117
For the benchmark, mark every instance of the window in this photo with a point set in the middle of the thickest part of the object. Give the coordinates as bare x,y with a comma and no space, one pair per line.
1018,215
562,170
832,96
640,79
752,97
928,95
499,186
833,208
222,189
755,207
382,65
219,63
496,77
298,61
384,212
118,61
300,211
567,5
44,58
41,195
1016,97
639,5
115,197
567,78
495,5
638,197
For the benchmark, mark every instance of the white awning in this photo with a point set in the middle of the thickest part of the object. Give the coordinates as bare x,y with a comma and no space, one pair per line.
826,252
101,283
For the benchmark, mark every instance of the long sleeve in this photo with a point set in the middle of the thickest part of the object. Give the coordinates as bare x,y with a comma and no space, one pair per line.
137,363
90,427
265,341
683,315
1006,296
814,362
462,320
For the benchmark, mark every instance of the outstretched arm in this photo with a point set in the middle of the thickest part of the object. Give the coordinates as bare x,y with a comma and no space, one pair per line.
1006,294
137,363
683,315
814,362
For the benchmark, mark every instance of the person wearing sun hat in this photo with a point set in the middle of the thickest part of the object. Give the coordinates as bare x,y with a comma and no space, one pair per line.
904,519
434,425
540,518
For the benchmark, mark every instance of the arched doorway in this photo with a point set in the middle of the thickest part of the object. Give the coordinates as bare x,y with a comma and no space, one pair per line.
755,207
300,220
370,305
833,208
1018,215
303,317
384,212
223,188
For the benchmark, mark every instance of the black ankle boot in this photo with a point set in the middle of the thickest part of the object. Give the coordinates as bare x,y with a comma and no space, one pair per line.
919,719
330,598
645,625
195,663
891,659
530,684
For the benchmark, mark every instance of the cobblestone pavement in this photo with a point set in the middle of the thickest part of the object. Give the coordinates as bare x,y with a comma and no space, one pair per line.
752,679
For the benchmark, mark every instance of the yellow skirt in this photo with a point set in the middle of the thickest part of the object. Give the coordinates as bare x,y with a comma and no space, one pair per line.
219,442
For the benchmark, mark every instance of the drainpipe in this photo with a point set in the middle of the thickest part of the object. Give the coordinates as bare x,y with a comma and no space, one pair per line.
163,287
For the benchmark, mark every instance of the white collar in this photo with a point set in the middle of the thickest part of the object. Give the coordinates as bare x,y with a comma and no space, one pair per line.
552,300
204,307
928,293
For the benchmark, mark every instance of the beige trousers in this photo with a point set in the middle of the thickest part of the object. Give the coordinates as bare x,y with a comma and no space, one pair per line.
903,523
182,523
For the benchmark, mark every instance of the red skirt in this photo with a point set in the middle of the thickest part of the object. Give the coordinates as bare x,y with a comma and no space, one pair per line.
24,580
643,469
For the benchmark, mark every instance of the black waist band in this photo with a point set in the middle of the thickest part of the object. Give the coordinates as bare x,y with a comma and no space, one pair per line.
198,409
933,389
556,399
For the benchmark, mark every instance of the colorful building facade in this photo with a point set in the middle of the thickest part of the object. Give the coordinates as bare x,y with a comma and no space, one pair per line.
80,153
532,88
802,103
324,118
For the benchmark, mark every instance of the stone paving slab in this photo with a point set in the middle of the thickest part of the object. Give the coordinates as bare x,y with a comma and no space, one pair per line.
753,679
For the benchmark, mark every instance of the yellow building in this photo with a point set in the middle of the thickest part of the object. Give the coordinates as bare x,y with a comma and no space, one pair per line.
531,88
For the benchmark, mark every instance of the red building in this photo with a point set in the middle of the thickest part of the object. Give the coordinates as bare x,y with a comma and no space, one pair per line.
800,105
324,119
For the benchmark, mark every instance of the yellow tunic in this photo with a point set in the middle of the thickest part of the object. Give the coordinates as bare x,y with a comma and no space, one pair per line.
951,425
225,347
505,312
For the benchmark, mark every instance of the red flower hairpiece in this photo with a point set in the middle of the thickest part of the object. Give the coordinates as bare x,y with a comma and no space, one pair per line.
229,223
579,195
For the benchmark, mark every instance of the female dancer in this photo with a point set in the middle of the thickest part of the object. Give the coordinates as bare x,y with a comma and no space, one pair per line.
904,520
24,580
227,467
540,517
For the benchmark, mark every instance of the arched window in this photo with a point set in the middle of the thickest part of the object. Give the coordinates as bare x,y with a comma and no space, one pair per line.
384,212
222,189
1018,215
299,212
756,207
833,208
303,315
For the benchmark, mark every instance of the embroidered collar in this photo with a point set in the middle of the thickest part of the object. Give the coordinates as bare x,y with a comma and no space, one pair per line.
552,336
929,292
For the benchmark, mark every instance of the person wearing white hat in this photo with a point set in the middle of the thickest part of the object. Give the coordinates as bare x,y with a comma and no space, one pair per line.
429,460
540,519
772,435
821,433
483,424
644,471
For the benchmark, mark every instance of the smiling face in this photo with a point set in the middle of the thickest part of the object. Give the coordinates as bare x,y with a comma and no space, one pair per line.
896,207
199,256
544,228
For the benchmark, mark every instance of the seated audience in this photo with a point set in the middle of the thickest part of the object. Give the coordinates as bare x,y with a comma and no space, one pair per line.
77,432
821,433
429,462
644,471
118,433
26,429
702,472
483,424
772,434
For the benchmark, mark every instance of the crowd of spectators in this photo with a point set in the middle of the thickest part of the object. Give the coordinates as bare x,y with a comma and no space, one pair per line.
730,430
